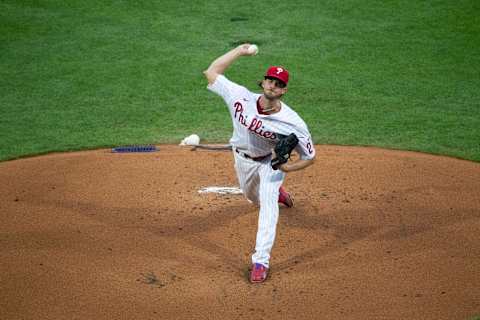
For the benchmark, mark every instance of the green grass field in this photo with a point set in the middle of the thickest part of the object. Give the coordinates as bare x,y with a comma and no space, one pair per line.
396,74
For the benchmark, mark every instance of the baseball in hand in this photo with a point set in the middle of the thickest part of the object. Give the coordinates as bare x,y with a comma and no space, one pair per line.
253,49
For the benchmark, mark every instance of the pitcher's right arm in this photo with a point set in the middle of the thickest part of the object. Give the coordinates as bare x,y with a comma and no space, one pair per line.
221,64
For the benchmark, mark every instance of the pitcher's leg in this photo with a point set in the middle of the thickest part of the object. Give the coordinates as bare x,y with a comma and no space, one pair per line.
248,178
270,182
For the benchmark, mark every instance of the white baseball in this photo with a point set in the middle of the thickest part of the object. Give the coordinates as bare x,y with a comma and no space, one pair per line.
253,49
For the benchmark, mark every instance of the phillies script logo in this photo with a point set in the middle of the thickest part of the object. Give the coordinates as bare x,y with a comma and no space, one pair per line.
256,126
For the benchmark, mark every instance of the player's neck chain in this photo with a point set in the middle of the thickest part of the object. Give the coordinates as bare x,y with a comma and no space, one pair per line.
268,108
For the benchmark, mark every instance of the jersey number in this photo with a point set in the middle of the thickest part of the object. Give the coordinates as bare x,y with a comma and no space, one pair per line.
309,147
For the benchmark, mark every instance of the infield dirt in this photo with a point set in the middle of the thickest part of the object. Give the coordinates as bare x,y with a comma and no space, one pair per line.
374,234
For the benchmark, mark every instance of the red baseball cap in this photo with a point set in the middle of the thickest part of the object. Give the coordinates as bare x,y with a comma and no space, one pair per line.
279,73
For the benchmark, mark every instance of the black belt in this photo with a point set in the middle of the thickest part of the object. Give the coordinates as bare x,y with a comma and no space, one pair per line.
252,158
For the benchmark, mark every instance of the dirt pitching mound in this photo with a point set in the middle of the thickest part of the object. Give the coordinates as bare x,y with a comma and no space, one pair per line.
375,234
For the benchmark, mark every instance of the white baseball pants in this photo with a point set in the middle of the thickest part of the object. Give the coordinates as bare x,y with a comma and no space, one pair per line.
260,184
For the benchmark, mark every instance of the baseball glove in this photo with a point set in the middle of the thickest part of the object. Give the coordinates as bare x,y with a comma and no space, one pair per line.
283,149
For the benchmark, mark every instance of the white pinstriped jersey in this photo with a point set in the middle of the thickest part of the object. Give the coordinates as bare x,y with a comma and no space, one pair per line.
256,133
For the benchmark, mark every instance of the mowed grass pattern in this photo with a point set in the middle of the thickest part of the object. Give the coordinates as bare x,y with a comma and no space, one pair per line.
395,74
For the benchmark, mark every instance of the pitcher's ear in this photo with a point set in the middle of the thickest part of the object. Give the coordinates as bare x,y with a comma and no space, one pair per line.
260,83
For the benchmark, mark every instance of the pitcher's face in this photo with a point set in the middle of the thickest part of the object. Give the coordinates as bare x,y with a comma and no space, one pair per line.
273,88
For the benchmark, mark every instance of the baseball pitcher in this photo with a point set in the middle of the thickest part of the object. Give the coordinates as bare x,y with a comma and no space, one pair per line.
265,132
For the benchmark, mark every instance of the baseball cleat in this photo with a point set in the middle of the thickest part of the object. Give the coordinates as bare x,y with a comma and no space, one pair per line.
259,273
285,198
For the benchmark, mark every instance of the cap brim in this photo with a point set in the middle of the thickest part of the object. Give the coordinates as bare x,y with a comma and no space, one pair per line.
275,78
